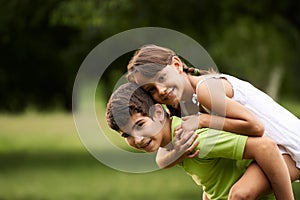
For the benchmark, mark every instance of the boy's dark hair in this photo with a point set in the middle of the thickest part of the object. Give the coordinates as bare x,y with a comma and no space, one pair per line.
128,99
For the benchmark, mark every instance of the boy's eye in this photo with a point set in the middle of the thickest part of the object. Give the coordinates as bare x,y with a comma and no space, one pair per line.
125,135
138,126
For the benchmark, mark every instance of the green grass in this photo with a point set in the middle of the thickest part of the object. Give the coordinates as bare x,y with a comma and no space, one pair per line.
42,157
78,176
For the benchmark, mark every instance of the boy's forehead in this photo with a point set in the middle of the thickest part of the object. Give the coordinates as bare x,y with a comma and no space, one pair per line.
134,118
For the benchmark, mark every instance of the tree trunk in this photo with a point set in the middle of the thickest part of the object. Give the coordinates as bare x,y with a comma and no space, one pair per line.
275,82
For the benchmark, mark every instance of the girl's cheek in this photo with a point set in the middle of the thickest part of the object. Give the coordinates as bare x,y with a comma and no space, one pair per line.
156,98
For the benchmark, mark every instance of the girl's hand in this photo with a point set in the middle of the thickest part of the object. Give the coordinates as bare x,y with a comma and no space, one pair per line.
182,148
184,144
190,123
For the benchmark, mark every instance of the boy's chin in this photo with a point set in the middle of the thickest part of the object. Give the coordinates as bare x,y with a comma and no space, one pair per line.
149,151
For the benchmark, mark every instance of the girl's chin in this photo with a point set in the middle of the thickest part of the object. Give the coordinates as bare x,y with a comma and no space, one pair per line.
174,103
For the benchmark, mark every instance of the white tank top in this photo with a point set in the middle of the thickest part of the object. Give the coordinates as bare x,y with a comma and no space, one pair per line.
280,124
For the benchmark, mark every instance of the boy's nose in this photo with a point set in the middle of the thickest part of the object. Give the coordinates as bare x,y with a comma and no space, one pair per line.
138,140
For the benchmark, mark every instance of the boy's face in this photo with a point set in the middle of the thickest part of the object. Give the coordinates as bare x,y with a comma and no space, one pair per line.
145,133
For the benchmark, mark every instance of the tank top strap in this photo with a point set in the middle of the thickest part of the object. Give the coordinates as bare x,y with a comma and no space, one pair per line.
206,77
203,79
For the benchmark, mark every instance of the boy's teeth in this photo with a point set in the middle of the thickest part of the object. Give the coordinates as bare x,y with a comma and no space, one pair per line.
147,144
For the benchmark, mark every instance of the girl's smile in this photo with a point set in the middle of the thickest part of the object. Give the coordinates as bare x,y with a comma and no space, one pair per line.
165,87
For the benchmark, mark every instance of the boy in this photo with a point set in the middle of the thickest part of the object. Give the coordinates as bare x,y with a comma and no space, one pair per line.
146,126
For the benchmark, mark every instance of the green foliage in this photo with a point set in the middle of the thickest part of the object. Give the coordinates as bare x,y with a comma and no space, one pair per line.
251,49
44,42
90,14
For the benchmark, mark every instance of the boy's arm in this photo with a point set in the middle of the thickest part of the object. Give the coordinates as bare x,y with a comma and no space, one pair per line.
268,157
182,148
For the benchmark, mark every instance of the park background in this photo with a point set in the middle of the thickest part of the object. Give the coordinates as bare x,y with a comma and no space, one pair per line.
43,44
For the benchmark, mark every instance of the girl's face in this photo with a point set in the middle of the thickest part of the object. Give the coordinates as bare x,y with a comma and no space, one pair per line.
166,87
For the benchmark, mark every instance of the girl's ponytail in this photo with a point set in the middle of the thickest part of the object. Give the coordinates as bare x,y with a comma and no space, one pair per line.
197,72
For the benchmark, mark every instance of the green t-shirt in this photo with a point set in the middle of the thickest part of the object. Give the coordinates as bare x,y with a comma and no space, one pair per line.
219,164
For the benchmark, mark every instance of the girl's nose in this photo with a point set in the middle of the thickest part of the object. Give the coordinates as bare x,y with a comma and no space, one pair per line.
161,90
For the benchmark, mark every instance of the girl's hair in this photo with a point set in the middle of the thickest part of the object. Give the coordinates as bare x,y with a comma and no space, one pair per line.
150,59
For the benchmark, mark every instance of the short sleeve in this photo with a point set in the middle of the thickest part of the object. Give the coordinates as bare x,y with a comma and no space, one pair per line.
221,144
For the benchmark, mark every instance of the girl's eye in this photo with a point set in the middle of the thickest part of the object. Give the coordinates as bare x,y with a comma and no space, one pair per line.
125,135
161,79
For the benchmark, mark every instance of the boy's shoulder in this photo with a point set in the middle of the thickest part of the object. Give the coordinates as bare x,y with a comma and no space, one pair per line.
176,121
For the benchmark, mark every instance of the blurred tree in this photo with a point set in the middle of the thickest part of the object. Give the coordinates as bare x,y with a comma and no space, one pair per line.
257,51
44,42
32,70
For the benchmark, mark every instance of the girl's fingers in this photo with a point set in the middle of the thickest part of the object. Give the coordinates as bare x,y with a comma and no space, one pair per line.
195,154
189,137
194,145
190,144
187,134
184,118
177,134
178,128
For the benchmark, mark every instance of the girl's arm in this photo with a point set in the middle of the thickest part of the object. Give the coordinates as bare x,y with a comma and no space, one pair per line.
182,148
227,114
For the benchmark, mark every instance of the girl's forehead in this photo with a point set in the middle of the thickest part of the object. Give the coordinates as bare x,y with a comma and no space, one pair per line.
142,80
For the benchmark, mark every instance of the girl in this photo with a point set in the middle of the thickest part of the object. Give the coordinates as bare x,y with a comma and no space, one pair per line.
226,102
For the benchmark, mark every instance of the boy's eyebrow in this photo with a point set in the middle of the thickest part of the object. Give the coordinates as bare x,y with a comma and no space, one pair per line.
137,122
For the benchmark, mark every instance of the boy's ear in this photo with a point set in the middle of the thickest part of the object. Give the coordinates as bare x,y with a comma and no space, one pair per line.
159,112
176,62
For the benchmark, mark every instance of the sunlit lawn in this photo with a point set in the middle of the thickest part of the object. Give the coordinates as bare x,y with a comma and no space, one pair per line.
42,157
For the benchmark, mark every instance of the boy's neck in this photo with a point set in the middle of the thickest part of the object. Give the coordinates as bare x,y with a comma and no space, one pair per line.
167,131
